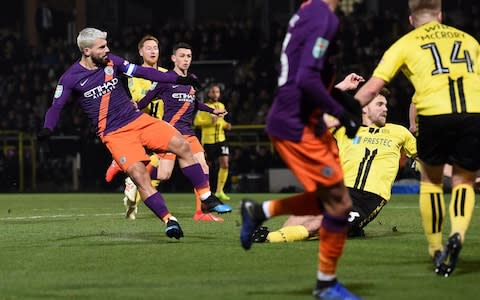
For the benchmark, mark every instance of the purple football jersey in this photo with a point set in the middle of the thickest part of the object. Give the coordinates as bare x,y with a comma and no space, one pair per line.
179,105
301,90
100,93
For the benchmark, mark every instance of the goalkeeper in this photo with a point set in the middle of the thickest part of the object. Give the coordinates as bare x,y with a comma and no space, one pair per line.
370,162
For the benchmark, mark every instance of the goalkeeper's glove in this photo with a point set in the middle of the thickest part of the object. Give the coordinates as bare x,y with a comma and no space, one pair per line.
351,123
412,167
351,118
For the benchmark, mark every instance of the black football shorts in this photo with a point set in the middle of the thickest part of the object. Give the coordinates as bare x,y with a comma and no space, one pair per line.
452,139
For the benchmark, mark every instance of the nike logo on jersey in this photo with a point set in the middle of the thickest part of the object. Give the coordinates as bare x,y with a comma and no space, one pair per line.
174,86
83,82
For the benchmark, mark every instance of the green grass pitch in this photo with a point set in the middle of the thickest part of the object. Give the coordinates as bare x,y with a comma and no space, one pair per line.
79,246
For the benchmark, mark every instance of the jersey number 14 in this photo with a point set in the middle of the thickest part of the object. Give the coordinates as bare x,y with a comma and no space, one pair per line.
454,58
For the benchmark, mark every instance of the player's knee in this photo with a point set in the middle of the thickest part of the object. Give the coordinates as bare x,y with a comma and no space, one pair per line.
179,146
183,148
223,162
139,174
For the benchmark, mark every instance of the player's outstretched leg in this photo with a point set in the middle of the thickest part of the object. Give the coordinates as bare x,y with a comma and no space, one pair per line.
447,261
112,170
213,204
334,292
252,217
173,229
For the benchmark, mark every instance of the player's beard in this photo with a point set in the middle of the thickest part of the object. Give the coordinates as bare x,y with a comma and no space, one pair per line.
100,61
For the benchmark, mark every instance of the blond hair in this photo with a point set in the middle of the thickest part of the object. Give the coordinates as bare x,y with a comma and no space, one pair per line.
148,37
424,7
86,38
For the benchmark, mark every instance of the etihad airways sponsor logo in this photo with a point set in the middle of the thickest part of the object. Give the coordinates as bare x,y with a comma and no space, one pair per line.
101,90
184,97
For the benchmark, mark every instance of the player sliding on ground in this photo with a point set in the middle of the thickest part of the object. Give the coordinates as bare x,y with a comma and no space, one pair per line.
370,161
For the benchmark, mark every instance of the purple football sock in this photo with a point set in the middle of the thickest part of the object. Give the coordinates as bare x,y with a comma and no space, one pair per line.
196,176
334,224
156,203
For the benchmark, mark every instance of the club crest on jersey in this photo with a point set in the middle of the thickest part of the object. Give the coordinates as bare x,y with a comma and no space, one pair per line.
122,160
320,47
58,91
108,70
327,171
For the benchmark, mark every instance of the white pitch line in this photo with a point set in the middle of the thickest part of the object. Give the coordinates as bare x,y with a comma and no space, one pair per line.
65,209
59,216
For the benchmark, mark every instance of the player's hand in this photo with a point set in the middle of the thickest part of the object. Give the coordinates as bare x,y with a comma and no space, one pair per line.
135,104
350,82
330,121
413,128
227,126
220,112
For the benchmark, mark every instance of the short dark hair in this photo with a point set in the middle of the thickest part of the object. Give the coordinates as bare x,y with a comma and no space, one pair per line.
181,45
385,92
212,85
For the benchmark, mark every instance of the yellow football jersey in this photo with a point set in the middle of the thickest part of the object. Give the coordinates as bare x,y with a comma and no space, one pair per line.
138,89
212,133
370,161
442,64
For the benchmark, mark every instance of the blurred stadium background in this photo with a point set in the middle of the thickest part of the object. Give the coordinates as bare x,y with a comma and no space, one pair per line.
236,43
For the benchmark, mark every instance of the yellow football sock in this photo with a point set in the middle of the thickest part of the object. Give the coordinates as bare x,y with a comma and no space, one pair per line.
288,234
461,208
432,211
222,178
